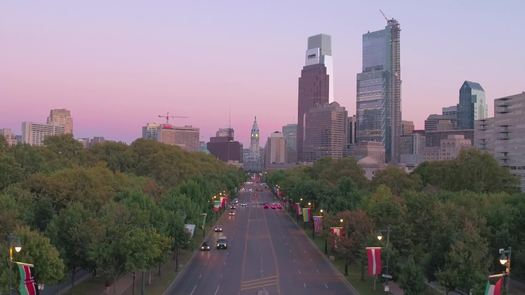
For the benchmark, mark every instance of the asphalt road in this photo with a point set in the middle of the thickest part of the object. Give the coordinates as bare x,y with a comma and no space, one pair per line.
268,254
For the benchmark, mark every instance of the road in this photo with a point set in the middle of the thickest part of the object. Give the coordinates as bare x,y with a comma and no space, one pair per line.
268,254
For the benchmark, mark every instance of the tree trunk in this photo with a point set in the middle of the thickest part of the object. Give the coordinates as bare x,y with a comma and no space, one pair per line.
159,269
177,259
362,271
73,271
149,277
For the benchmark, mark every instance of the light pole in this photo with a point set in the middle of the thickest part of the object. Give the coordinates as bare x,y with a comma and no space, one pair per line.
504,259
14,244
204,215
380,237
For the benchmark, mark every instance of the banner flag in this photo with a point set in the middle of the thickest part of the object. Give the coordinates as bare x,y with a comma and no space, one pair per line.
494,289
336,230
28,284
216,205
223,201
374,260
318,224
298,209
306,214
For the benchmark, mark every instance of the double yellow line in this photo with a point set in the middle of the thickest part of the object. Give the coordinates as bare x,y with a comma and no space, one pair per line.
260,283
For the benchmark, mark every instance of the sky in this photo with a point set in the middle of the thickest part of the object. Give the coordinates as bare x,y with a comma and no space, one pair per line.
119,64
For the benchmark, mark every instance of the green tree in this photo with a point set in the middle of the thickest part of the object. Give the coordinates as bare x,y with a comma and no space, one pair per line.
38,250
411,278
396,179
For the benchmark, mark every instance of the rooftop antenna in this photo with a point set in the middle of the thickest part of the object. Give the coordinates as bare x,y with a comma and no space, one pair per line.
168,117
386,18
229,116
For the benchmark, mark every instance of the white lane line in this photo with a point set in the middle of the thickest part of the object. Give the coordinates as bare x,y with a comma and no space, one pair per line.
304,285
200,276
217,290
193,290
326,286
299,271
318,271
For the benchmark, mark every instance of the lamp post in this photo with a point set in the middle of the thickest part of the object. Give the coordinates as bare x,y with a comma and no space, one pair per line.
324,233
204,215
505,259
14,245
380,237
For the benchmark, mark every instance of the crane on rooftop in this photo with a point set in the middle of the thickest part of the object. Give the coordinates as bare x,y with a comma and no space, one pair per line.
168,117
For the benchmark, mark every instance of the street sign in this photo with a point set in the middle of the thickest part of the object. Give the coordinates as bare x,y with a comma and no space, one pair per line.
386,276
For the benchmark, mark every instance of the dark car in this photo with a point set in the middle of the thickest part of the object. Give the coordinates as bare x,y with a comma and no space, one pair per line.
205,246
222,243
231,213
217,228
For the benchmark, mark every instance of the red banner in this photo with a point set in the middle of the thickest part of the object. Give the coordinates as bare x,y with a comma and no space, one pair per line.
298,209
374,260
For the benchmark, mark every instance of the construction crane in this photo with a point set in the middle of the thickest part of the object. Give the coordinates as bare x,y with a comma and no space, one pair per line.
168,116
386,18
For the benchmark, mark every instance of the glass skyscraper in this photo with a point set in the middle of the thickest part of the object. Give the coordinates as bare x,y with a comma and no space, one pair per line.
379,90
472,105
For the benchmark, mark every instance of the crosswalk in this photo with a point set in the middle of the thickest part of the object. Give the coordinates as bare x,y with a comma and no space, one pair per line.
260,283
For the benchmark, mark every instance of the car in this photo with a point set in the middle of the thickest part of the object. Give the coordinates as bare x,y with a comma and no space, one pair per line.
231,213
233,207
279,206
222,243
274,206
266,206
244,204
205,246
217,228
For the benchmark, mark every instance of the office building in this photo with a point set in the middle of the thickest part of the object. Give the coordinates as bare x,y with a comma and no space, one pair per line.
325,132
186,137
452,146
290,138
407,127
61,117
472,105
315,83
8,135
378,102
224,147
350,134
275,150
34,133
504,135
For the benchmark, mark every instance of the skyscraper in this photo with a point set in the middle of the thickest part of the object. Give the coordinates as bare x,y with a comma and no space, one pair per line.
186,137
315,83
472,105
224,147
290,138
325,132
379,90
275,150
61,117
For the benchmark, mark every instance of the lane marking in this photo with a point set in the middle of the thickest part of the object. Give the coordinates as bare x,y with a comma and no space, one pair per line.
193,290
326,286
304,285
217,290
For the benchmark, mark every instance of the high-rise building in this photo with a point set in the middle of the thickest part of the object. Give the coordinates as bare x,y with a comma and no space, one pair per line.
275,150
315,84
379,90
61,117
186,137
224,147
8,135
290,138
407,127
325,132
350,134
472,105
452,145
34,133
253,160
504,135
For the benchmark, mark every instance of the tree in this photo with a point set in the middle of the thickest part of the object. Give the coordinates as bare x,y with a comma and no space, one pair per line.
396,179
10,171
37,250
411,278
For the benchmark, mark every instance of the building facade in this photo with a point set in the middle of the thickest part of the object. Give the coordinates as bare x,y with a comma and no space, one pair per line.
9,136
275,150
290,138
504,135
472,105
370,156
315,83
378,102
186,137
61,117
325,132
452,146
225,148
34,133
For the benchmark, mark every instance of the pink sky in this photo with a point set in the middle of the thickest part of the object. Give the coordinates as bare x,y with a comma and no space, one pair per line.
117,65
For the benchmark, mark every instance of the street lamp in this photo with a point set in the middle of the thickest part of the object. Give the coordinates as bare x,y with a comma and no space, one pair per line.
505,260
14,244
380,237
